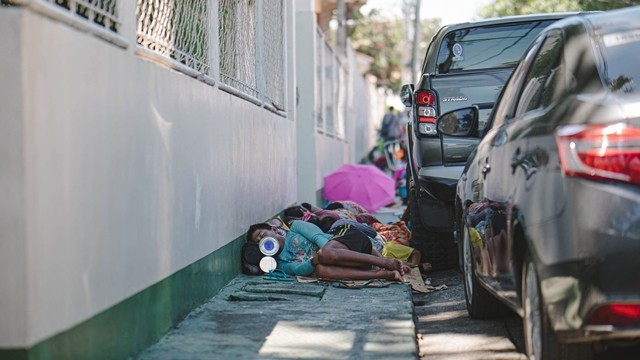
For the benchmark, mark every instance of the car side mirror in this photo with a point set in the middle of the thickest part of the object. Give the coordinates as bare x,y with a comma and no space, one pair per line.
459,122
406,95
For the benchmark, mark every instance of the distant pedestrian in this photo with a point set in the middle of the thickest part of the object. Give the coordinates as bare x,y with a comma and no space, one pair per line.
391,127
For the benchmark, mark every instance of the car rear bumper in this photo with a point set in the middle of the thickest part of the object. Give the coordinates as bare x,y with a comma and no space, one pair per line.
575,291
445,173
595,259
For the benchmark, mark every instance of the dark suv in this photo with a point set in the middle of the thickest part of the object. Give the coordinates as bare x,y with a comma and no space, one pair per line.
465,65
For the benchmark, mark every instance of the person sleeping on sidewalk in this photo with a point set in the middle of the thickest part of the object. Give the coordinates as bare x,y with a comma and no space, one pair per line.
390,240
324,218
345,253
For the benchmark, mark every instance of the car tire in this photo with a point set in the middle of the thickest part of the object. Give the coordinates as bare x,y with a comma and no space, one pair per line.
539,338
437,248
480,303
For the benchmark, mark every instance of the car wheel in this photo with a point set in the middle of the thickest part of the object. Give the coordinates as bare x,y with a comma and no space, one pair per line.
539,338
480,303
438,248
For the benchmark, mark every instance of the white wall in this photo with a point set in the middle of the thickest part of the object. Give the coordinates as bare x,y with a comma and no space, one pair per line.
13,266
305,42
117,172
320,152
331,154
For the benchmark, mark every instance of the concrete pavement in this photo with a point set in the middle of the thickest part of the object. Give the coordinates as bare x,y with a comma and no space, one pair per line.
445,331
254,318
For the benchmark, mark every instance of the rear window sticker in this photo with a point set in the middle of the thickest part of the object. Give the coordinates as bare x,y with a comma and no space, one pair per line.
457,52
620,38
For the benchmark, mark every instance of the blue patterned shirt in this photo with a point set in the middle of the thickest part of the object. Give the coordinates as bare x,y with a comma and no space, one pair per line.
301,244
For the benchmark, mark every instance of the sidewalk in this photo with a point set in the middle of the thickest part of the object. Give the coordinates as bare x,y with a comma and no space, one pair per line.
254,318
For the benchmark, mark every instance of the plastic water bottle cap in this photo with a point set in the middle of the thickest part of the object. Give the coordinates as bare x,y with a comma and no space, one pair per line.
268,264
269,246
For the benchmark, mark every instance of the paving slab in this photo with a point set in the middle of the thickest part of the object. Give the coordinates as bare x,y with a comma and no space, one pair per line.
254,318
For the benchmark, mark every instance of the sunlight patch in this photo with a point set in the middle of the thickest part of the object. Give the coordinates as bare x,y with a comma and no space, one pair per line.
288,339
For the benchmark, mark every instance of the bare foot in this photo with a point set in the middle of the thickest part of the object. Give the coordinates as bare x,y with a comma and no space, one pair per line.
405,269
425,267
392,275
394,264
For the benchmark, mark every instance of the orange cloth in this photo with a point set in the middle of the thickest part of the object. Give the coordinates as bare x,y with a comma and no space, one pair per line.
397,232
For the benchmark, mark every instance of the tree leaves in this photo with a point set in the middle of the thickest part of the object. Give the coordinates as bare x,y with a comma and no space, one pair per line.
384,39
519,7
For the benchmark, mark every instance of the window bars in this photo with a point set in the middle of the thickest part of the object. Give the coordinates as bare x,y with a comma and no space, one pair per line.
319,83
103,13
331,89
237,31
250,41
100,12
178,29
273,39
250,59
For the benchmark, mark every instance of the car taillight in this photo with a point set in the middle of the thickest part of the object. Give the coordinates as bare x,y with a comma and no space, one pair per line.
616,314
600,151
426,111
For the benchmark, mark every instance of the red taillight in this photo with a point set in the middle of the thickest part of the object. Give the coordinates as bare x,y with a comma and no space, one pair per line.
616,314
600,152
426,112
424,97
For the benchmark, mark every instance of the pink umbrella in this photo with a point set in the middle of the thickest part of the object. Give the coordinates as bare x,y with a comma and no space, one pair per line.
365,184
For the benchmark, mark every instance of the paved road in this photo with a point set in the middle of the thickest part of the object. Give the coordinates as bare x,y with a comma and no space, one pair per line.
445,330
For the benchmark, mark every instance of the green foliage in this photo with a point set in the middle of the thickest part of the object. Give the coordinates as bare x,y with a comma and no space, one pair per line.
384,39
519,7
607,4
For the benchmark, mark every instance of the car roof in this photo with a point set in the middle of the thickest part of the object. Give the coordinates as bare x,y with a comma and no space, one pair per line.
615,20
430,59
600,23
508,20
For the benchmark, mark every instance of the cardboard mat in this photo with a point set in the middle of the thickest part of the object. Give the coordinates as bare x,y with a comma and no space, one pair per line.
414,279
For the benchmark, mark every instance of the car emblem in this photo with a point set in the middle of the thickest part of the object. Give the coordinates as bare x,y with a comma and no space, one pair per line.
456,98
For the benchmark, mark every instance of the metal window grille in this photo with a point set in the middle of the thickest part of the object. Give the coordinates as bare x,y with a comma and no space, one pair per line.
103,13
251,42
273,41
178,29
329,90
252,56
318,103
341,100
237,31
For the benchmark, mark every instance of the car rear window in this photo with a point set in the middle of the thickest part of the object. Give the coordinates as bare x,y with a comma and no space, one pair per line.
621,73
487,47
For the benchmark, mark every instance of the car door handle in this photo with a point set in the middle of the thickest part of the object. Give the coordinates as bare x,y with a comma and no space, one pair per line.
485,170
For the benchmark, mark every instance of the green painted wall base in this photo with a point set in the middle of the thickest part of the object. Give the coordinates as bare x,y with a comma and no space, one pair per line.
130,327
